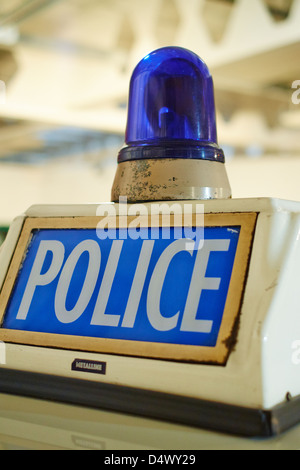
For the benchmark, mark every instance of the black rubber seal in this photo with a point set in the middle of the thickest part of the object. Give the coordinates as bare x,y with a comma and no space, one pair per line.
210,152
194,412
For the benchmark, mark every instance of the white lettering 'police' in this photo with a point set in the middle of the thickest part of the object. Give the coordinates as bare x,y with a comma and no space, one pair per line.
199,282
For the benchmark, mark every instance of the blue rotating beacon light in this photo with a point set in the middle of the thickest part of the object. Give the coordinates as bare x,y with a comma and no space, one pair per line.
171,150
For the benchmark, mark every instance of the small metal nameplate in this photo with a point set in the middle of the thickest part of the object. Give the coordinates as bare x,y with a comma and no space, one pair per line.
84,365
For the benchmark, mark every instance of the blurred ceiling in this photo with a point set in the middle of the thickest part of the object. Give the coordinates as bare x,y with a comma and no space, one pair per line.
65,67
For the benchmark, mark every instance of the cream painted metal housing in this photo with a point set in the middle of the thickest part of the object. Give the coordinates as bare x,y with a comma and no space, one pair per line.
261,370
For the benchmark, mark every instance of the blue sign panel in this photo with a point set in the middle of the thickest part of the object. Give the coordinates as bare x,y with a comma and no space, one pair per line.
163,290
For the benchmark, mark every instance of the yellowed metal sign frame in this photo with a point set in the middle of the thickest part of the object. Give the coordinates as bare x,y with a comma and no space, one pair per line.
200,354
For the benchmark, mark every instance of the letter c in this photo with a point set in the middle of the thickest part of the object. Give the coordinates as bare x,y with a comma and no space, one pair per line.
157,320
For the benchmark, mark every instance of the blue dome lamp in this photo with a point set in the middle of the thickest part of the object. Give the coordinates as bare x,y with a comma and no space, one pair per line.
171,149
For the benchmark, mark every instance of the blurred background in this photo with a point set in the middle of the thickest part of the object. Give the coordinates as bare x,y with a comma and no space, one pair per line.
65,67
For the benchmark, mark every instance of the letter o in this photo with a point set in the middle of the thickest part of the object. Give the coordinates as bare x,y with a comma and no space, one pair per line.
69,316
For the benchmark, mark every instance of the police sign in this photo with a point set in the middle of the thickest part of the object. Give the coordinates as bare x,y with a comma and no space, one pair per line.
172,298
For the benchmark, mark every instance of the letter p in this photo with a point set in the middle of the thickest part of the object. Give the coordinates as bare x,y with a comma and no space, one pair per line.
38,279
